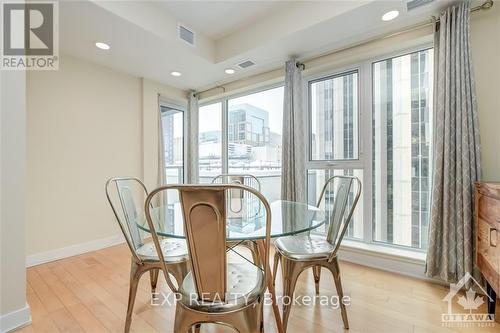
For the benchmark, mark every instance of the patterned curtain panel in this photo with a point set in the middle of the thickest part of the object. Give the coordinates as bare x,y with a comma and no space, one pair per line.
192,139
293,179
456,151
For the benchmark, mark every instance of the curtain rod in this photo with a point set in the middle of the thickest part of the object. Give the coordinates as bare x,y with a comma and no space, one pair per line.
484,6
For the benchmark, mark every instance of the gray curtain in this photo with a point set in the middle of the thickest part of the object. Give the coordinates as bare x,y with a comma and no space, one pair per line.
456,150
293,179
192,139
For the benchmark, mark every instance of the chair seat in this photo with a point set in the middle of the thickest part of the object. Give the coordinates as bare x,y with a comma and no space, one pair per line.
305,247
174,250
245,283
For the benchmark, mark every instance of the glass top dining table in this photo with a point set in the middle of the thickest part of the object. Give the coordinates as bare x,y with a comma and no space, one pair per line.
287,218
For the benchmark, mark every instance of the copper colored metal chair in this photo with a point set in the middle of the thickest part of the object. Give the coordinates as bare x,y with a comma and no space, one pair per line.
236,208
215,291
124,195
298,253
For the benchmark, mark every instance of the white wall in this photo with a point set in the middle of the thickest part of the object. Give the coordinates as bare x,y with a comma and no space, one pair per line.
485,40
13,309
85,125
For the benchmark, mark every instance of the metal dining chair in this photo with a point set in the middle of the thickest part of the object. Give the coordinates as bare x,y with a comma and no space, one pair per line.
235,198
123,195
215,291
298,253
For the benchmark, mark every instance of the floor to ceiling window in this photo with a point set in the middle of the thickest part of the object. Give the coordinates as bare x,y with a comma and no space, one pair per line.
374,122
402,112
242,135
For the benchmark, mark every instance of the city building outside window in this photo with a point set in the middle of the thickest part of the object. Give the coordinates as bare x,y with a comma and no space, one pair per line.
253,128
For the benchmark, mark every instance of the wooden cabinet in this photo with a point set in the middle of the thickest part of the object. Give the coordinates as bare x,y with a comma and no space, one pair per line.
487,211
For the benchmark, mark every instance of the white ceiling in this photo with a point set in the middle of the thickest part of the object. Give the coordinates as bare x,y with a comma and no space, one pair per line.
218,19
143,34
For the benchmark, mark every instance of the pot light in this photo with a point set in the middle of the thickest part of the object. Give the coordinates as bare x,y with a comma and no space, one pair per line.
389,16
102,46
174,73
229,71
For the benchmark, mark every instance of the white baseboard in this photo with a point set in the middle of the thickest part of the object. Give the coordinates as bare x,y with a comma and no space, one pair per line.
394,260
72,250
15,319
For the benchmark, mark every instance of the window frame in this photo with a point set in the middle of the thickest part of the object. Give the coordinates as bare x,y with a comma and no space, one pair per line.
365,133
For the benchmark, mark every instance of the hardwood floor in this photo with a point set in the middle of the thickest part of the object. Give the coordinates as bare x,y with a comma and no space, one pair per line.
88,293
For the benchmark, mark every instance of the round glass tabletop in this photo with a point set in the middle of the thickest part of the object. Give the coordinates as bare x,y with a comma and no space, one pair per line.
287,218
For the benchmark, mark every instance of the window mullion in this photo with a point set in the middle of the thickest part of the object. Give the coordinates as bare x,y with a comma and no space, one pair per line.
366,149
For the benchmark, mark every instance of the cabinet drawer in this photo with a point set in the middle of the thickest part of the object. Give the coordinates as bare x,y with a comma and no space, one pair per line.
488,256
489,210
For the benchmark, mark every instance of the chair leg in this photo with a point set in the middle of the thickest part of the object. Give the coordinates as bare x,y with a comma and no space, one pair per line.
290,273
255,252
135,275
317,275
277,257
340,292
153,275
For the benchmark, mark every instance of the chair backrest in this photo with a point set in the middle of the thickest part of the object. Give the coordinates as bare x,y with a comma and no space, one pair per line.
339,220
236,198
242,179
126,196
205,211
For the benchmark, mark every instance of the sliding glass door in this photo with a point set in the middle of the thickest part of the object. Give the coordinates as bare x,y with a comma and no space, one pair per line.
254,127
173,143
242,135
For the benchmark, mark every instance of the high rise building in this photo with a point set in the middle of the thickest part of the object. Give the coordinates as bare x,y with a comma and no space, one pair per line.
248,125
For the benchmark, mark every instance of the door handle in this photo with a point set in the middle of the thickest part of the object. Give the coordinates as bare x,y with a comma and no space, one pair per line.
493,237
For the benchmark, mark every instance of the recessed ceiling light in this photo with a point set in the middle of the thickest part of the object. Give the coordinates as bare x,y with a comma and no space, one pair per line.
390,15
174,73
102,46
229,71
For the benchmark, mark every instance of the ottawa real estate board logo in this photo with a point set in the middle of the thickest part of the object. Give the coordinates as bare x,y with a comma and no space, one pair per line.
469,313
30,35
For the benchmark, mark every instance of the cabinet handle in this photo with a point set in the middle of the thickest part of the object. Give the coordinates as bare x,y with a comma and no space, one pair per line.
493,237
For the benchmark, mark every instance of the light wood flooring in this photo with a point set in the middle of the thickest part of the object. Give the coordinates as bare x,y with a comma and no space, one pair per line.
88,293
